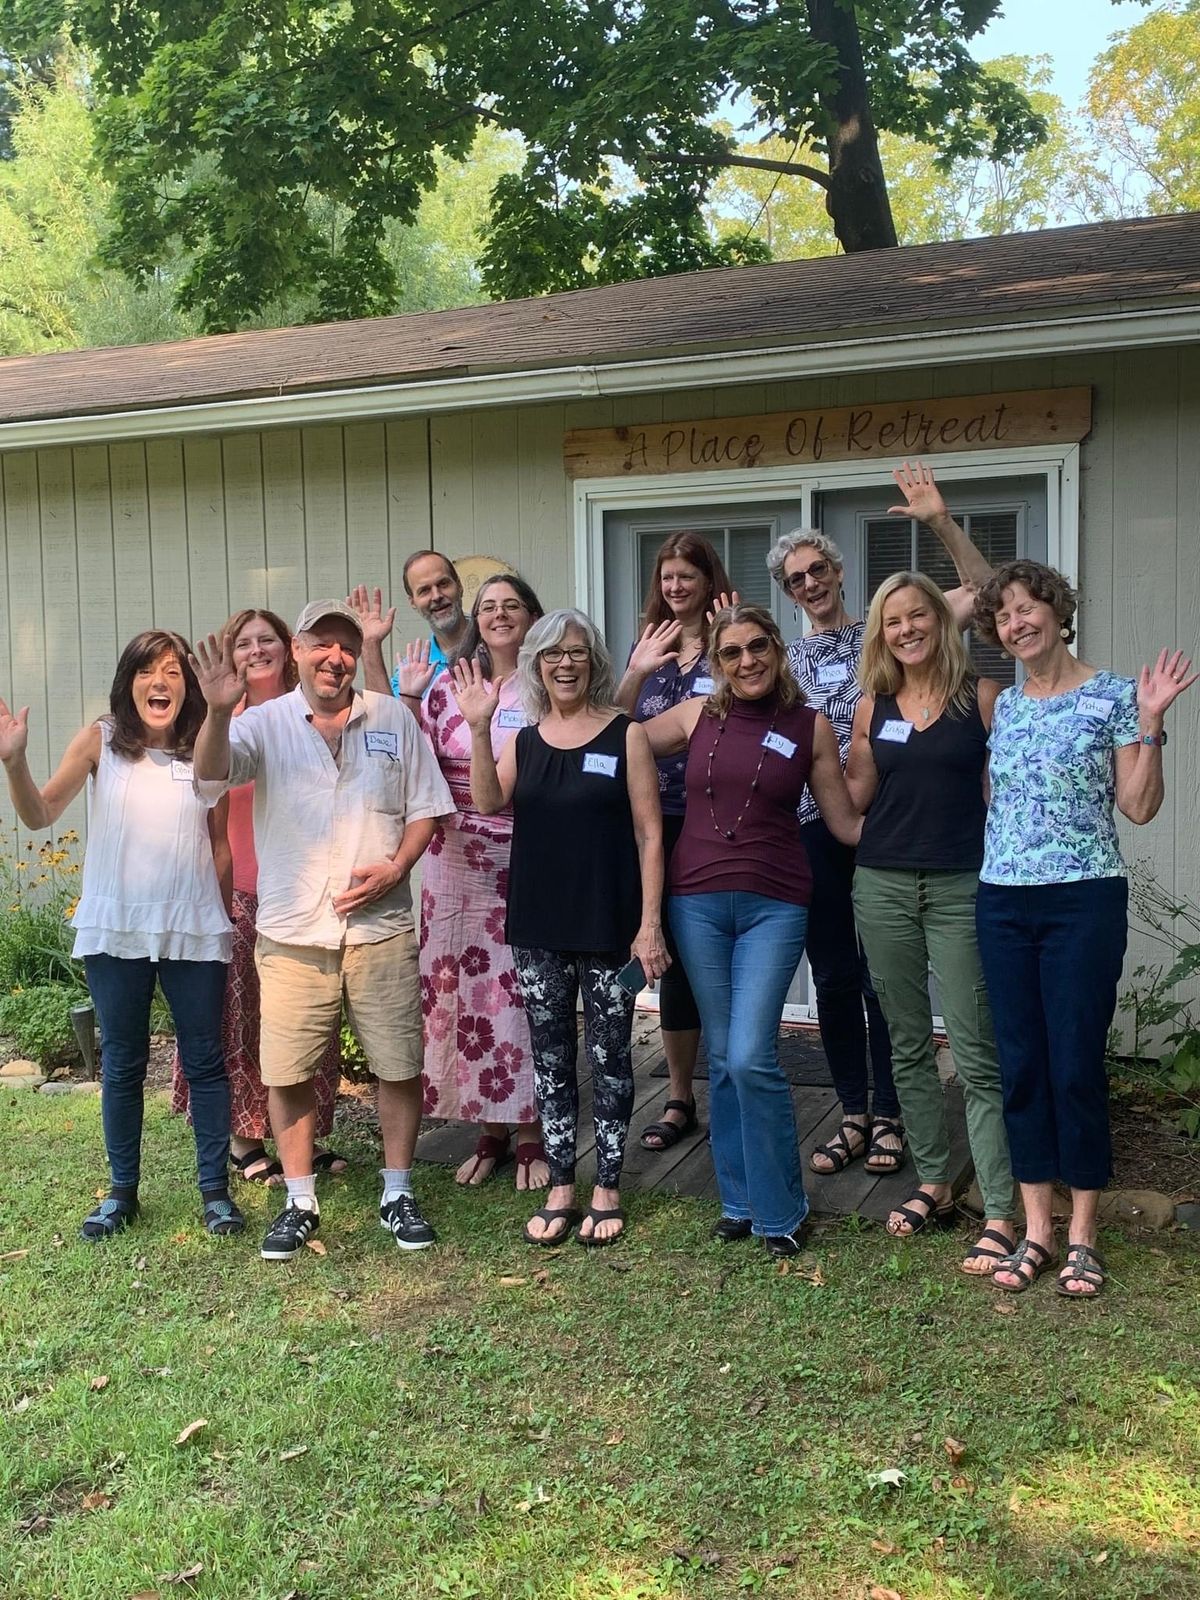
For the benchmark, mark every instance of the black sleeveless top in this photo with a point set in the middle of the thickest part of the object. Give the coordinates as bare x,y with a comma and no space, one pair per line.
928,811
574,880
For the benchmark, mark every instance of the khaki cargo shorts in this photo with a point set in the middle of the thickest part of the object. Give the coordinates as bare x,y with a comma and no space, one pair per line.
302,988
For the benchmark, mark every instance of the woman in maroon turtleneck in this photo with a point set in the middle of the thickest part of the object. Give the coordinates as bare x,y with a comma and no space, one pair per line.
739,891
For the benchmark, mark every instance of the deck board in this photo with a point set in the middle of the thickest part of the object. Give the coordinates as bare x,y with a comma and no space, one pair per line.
687,1168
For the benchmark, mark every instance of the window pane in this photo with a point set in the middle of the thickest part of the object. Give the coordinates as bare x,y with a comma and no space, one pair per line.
747,563
996,536
889,549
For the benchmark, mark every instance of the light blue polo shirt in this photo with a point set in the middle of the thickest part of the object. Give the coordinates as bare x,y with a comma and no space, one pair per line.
436,655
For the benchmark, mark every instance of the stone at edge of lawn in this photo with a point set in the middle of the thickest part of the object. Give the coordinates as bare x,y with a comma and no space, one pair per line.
1187,1214
1145,1208
21,1068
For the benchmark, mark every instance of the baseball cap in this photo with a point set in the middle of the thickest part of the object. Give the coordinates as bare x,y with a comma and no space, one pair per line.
316,610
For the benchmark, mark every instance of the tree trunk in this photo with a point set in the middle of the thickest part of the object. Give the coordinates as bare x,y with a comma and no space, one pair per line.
857,201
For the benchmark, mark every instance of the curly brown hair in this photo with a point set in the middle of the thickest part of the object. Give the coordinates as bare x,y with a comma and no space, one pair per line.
1044,584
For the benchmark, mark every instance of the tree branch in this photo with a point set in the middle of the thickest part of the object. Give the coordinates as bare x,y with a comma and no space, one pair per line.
790,169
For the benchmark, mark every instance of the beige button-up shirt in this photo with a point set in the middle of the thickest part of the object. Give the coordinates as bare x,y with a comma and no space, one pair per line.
315,818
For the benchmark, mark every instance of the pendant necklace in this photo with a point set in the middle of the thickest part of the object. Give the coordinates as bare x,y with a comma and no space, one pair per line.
728,833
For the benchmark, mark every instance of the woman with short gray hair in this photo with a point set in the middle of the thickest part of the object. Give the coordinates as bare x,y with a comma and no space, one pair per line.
584,894
807,566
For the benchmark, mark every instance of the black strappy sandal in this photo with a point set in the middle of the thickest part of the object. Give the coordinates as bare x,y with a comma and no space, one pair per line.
920,1221
839,1149
877,1153
669,1134
979,1248
1084,1265
1028,1254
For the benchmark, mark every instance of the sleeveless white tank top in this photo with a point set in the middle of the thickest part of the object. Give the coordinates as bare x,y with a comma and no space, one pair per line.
150,887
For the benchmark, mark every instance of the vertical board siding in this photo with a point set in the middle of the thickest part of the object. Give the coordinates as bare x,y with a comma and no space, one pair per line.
283,517
133,572
60,606
34,676
208,559
325,513
544,506
245,526
99,645
1185,718
367,554
452,484
169,563
409,511
494,463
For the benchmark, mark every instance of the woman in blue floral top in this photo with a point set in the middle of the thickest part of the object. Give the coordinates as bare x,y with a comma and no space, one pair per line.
807,566
666,667
1066,744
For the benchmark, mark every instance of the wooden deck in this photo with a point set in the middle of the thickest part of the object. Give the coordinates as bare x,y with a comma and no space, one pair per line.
688,1169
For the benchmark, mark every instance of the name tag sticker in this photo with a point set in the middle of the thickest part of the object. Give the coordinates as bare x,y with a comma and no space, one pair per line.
603,766
896,731
780,745
831,673
181,771
702,686
382,744
1090,705
511,717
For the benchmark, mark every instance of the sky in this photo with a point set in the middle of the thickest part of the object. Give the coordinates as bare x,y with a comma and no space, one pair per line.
1073,32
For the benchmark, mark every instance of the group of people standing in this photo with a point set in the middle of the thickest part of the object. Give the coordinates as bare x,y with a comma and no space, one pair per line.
727,804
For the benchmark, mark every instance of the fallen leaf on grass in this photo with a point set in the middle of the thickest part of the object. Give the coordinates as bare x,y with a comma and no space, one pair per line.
884,1548
541,1498
99,1382
317,1248
955,1449
140,1264
98,1501
15,1255
1005,1308
513,1283
37,1523
1100,1558
146,1594
725,1367
878,1592
963,1485
890,1477
481,1504
290,1455
812,1275
614,1439
22,1404
184,1575
180,1237
192,1429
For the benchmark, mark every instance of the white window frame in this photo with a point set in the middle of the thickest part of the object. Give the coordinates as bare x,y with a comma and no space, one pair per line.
594,497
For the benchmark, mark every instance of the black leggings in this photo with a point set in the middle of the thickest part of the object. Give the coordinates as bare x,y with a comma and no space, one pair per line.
677,1011
550,982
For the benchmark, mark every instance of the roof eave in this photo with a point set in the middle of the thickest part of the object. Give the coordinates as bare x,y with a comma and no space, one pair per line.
1090,328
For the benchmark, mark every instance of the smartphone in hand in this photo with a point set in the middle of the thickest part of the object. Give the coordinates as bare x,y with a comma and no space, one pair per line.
633,977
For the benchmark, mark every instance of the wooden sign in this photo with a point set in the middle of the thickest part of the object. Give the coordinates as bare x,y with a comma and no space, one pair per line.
845,433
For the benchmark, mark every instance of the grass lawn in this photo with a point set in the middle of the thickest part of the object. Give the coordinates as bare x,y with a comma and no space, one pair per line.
668,1418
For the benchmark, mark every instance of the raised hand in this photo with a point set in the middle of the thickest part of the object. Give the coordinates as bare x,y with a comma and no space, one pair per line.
721,602
922,497
656,647
1159,687
475,700
368,604
14,732
222,684
414,669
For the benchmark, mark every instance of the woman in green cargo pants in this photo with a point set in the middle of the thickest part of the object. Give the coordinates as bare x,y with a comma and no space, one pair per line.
917,767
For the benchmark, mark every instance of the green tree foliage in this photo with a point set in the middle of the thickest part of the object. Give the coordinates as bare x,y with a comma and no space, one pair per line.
223,118
1143,104
932,197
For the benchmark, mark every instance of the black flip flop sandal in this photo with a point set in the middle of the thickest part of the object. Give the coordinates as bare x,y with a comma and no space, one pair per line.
573,1217
596,1216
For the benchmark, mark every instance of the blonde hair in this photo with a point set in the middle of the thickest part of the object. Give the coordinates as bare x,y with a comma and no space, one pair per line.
880,673
789,691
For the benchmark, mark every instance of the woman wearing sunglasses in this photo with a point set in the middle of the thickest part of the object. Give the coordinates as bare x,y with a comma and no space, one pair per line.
808,568
738,903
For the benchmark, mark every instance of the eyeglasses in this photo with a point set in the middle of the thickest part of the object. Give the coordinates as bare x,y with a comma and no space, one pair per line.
578,654
508,608
731,654
795,581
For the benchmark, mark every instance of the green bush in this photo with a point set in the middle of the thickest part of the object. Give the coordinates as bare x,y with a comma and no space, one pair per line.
39,1019
38,889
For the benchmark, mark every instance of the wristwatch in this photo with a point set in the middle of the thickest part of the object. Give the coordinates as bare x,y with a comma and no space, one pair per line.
1155,738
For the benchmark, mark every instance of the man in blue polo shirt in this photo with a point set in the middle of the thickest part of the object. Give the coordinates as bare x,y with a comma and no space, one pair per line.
435,593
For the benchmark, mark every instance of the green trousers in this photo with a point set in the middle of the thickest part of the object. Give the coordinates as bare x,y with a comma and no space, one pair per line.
909,922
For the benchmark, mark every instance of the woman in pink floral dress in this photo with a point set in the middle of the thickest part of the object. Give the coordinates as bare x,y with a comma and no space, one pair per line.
478,1065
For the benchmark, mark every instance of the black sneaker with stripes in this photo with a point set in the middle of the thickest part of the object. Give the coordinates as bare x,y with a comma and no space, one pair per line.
289,1233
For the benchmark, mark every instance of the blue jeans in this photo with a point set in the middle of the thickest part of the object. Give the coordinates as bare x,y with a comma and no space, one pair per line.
1052,957
195,991
741,951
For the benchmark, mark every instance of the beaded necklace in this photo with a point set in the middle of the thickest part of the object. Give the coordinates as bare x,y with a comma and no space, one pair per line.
728,833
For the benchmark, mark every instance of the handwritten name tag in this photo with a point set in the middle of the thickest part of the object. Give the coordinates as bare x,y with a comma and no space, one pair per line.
382,744
832,673
510,717
181,771
602,766
1090,705
780,745
702,686
895,731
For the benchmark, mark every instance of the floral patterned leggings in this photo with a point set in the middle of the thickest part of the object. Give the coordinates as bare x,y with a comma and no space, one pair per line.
550,982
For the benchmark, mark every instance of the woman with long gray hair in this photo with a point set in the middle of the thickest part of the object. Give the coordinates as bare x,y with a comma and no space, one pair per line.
584,893
808,567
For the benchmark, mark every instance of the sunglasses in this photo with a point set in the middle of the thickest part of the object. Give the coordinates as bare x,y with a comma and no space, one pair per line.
795,581
730,654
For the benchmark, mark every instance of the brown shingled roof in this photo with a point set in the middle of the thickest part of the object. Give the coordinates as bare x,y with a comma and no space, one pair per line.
1017,277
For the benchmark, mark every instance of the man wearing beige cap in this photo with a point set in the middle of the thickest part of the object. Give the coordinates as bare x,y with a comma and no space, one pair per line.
346,797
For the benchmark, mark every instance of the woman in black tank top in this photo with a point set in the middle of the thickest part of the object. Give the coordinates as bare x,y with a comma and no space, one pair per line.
917,767
584,893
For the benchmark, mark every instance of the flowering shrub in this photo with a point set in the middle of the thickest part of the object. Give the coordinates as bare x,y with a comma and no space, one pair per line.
38,895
